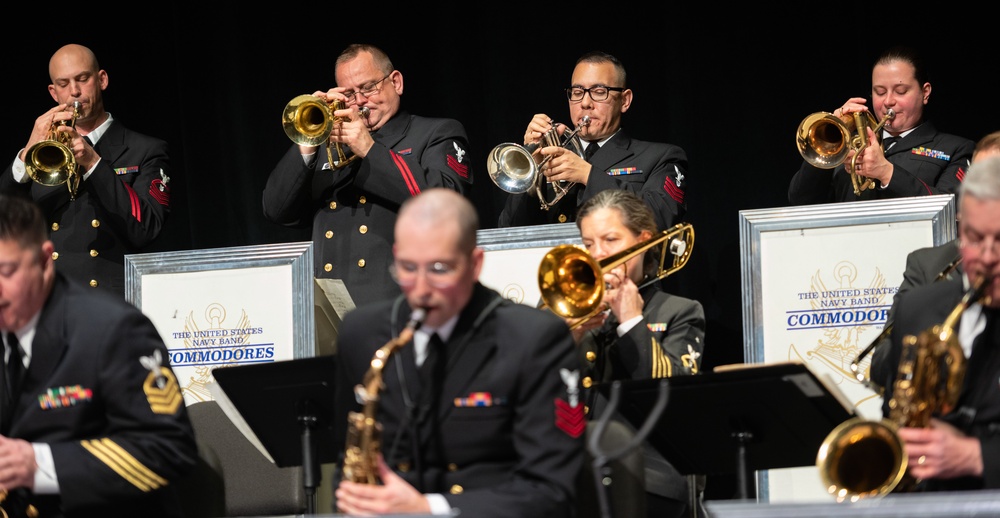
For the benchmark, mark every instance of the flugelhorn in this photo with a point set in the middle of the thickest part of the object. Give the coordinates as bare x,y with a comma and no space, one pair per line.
825,140
571,281
309,120
513,168
51,162
864,458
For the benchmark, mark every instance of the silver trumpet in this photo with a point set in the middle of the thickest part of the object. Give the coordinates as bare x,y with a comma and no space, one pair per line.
513,168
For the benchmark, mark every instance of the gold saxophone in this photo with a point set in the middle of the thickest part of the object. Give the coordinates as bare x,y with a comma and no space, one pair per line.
364,432
864,458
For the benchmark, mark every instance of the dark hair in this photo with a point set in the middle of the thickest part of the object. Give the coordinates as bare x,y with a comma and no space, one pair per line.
635,215
380,58
597,56
21,220
908,55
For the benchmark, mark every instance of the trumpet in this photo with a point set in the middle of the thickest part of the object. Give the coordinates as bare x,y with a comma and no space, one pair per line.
309,120
825,140
571,281
513,168
51,162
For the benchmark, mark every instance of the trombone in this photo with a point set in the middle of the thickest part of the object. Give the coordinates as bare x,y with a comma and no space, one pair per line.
571,281
825,140
513,168
308,121
51,162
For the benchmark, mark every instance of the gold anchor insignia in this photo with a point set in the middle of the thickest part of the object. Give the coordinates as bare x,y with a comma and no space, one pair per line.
162,392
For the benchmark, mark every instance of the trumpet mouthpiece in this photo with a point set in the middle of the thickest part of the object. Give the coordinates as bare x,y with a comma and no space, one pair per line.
364,111
585,121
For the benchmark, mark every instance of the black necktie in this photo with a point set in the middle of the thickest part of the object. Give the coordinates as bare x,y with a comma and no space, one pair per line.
888,142
12,378
591,149
431,372
87,138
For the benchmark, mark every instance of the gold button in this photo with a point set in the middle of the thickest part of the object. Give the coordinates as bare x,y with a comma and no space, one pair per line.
93,283
93,253
327,267
452,467
586,409
329,234
456,489
363,229
587,382
591,356
333,205
403,467
55,255
562,218
95,223
361,263
55,226
362,200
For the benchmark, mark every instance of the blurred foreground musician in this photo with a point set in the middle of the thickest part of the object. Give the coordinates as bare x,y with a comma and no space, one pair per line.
961,450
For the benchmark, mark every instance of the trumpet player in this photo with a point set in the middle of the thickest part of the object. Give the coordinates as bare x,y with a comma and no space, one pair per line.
609,159
961,449
352,209
122,200
909,156
645,332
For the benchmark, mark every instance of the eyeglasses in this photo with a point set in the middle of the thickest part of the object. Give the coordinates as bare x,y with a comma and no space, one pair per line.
982,244
439,274
366,90
597,93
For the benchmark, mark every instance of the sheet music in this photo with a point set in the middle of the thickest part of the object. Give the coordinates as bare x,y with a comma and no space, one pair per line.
234,415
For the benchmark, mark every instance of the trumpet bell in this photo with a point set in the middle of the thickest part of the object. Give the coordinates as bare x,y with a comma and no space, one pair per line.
307,120
823,140
571,281
861,458
512,168
50,162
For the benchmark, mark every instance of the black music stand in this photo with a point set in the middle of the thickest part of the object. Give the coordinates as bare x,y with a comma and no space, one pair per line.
739,420
288,404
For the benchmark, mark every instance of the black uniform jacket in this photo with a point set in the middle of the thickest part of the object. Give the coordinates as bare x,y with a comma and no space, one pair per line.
925,162
505,437
655,172
353,209
119,209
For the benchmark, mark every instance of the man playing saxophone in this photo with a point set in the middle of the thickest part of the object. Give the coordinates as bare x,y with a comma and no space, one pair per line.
960,450
480,412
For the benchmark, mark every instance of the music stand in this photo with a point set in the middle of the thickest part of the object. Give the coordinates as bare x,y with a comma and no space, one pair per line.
288,404
739,420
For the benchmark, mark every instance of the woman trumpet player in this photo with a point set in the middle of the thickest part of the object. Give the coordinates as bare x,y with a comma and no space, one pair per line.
644,333
961,449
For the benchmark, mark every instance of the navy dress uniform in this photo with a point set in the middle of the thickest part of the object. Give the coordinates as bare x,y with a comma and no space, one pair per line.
925,162
654,171
353,209
120,208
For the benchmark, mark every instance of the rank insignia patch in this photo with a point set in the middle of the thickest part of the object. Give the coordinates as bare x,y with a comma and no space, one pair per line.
162,392
570,417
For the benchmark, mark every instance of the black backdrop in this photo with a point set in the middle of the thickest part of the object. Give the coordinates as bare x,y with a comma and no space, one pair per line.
730,92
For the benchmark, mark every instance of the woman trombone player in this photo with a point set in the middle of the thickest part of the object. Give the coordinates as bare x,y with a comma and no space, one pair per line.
644,333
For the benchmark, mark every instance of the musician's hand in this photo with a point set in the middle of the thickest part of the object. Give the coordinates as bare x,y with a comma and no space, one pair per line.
352,131
587,324
853,105
43,125
622,295
872,163
540,125
564,165
17,464
941,451
394,496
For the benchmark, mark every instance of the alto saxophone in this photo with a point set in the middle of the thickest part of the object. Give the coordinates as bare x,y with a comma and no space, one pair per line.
364,432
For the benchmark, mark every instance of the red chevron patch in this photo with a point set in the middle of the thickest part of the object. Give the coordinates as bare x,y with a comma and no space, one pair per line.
570,419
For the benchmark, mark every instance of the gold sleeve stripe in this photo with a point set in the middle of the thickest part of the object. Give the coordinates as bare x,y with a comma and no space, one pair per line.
661,363
123,463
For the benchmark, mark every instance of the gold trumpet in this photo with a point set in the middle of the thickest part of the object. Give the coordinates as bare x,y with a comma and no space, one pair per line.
51,162
571,281
513,168
864,458
825,140
309,120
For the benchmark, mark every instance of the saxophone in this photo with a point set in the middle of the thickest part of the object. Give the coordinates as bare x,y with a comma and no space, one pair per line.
864,458
364,432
